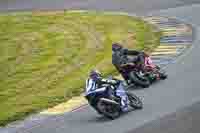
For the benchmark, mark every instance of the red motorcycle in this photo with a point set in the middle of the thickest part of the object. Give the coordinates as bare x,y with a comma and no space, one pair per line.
135,74
154,69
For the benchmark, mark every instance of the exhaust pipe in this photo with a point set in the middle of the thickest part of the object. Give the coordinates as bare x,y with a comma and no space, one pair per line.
108,101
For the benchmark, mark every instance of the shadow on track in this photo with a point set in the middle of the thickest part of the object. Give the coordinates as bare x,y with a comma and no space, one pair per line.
102,119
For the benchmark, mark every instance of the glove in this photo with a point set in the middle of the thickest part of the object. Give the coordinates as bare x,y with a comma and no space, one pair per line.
115,81
118,81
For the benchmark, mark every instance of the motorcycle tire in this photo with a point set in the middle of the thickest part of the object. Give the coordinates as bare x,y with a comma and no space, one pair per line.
144,82
108,110
163,76
135,101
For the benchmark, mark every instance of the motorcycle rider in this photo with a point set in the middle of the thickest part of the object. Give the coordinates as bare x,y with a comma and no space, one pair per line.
95,81
120,57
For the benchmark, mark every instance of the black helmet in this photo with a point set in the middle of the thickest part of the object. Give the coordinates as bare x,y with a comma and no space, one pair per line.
94,74
116,47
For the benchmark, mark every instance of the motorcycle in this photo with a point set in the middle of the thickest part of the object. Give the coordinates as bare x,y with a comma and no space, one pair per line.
107,100
133,73
153,71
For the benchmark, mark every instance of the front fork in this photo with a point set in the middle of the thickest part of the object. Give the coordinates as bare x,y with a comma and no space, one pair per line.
120,92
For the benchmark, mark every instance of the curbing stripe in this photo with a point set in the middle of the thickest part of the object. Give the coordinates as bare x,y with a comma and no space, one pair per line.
72,104
173,33
177,37
165,50
170,46
164,53
176,41
176,44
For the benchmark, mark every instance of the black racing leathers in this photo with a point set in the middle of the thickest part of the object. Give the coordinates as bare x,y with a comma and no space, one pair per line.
119,58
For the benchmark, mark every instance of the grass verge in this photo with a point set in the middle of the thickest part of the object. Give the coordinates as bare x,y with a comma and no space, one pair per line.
45,56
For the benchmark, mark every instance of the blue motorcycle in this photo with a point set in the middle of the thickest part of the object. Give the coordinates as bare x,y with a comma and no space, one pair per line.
111,101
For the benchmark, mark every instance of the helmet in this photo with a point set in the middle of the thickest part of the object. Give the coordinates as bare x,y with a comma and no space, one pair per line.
116,47
94,74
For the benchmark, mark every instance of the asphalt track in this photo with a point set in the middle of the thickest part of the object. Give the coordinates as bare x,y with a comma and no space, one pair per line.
131,6
170,106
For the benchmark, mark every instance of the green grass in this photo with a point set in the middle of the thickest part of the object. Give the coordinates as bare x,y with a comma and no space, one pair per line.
45,56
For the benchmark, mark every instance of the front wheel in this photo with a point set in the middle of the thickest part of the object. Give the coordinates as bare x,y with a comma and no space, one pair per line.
139,79
163,76
135,101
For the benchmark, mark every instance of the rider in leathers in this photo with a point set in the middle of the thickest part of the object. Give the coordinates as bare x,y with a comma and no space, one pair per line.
95,81
120,57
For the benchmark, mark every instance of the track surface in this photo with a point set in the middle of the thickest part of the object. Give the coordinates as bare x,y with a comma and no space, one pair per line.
176,94
184,121
131,6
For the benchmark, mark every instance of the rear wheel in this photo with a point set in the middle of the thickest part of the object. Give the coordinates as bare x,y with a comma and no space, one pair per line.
135,101
139,79
109,110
